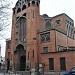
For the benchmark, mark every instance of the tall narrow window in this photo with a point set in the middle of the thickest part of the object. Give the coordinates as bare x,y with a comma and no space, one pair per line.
28,15
51,63
24,7
48,37
28,55
18,10
37,4
62,63
33,53
33,14
22,28
28,4
13,11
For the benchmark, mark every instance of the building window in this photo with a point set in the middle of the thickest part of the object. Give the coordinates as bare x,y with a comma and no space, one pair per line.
28,55
28,4
48,24
33,53
16,33
42,38
18,10
16,40
13,11
45,49
33,2
71,33
57,22
45,37
33,14
22,28
62,63
24,7
37,4
51,63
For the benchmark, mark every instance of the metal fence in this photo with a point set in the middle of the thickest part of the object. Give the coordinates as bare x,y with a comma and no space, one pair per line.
28,73
14,73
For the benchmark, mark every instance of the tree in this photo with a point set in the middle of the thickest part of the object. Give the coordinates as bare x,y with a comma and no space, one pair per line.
5,16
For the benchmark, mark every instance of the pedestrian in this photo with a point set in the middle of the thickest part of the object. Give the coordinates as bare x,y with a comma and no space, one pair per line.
30,72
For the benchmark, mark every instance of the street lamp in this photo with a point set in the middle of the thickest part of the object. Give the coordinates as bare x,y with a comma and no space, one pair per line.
8,64
0,61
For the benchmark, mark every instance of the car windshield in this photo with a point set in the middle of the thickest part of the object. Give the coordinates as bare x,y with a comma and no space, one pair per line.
73,69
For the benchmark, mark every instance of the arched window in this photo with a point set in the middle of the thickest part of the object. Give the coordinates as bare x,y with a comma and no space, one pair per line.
18,10
37,4
22,29
24,7
45,37
48,24
48,37
33,2
42,38
28,4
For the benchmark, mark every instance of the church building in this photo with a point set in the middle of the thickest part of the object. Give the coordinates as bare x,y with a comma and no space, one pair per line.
39,39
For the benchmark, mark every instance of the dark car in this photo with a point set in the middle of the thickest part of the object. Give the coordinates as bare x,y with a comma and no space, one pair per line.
71,72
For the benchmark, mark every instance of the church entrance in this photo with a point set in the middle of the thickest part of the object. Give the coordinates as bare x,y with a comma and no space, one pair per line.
22,63
21,53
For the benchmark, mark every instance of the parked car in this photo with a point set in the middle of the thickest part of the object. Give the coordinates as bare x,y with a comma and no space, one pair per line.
71,72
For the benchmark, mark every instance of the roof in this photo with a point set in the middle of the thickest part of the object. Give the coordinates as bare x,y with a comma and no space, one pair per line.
61,15
46,17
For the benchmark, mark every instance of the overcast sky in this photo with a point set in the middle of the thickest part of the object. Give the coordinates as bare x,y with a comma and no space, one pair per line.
52,8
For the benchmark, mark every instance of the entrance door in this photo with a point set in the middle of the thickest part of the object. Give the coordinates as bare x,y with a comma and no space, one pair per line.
21,57
22,63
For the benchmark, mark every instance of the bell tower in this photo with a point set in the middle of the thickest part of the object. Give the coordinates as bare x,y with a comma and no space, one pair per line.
24,41
33,16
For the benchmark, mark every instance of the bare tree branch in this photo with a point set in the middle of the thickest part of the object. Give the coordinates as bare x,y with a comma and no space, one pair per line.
5,15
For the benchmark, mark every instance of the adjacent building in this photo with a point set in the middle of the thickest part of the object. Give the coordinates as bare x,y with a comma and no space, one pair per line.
40,39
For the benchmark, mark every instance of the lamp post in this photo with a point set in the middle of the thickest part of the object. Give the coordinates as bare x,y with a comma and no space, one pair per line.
8,64
0,61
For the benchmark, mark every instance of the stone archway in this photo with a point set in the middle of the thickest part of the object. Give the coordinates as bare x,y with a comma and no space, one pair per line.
21,52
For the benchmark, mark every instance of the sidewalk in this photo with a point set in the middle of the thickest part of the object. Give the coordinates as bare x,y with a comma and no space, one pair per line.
28,73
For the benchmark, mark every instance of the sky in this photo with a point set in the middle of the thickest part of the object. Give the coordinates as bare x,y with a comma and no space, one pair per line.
51,8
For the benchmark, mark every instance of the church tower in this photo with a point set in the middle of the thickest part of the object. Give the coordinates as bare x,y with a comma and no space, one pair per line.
25,23
31,33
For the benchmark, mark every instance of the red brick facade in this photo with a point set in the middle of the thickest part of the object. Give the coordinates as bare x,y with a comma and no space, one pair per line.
27,45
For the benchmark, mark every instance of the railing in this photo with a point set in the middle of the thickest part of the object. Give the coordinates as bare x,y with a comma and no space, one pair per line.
14,73
28,73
